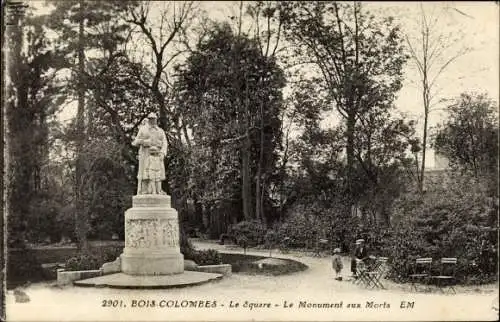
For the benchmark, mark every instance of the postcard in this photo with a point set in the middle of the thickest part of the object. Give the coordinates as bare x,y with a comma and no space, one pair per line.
249,161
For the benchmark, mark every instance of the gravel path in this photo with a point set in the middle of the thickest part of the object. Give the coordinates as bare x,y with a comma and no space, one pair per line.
309,295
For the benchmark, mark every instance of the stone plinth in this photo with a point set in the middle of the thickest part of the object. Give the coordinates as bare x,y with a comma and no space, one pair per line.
151,237
120,280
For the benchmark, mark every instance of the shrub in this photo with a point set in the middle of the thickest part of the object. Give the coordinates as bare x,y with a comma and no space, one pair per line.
309,223
242,241
246,264
83,262
95,260
253,232
298,229
271,238
204,257
447,222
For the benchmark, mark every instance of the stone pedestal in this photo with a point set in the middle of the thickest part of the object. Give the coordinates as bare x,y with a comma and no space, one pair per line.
151,238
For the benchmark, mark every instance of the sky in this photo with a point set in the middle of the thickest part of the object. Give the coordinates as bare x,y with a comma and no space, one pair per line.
474,25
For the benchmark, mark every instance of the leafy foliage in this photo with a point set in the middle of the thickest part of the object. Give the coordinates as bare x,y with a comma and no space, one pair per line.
241,155
33,101
458,220
359,59
204,257
469,137
92,260
250,233
231,96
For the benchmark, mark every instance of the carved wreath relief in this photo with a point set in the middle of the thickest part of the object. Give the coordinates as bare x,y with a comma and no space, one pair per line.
145,233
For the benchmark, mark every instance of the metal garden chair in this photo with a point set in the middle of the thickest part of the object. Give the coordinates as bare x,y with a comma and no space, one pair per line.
377,273
361,269
364,272
421,272
446,277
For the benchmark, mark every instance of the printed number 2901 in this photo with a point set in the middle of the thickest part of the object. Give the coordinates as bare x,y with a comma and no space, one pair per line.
112,303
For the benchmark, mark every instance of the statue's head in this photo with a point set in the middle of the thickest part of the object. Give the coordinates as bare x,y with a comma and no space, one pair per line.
152,119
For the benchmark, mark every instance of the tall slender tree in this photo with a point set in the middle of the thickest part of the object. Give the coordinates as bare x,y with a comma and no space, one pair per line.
432,52
269,39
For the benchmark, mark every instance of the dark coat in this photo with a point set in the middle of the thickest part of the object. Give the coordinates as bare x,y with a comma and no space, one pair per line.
358,254
361,253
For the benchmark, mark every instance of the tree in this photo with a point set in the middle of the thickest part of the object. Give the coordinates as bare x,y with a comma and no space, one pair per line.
383,140
14,96
268,41
161,42
359,58
223,85
84,26
432,52
469,137
29,111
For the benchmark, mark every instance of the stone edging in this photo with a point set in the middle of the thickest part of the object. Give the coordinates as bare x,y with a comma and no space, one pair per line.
68,277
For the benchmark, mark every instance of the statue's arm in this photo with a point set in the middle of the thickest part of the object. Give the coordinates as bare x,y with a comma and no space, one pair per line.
139,139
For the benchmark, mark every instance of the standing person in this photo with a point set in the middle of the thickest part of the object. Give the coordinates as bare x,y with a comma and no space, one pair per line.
152,144
337,264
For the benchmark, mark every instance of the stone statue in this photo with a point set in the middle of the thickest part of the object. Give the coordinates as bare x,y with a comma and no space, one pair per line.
152,144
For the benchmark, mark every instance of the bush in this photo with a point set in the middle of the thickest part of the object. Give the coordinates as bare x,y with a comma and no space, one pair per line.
308,223
92,261
242,241
204,257
298,230
272,238
83,262
455,221
253,232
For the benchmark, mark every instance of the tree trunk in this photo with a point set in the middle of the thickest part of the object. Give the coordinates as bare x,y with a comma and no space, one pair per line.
17,190
386,218
198,213
246,192
350,159
262,195
246,188
259,192
424,143
81,217
258,213
215,223
424,140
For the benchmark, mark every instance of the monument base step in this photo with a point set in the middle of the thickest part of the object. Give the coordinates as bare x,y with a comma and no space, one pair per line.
122,280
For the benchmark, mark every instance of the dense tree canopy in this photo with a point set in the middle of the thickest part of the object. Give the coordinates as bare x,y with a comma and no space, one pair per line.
469,138
229,92
359,59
